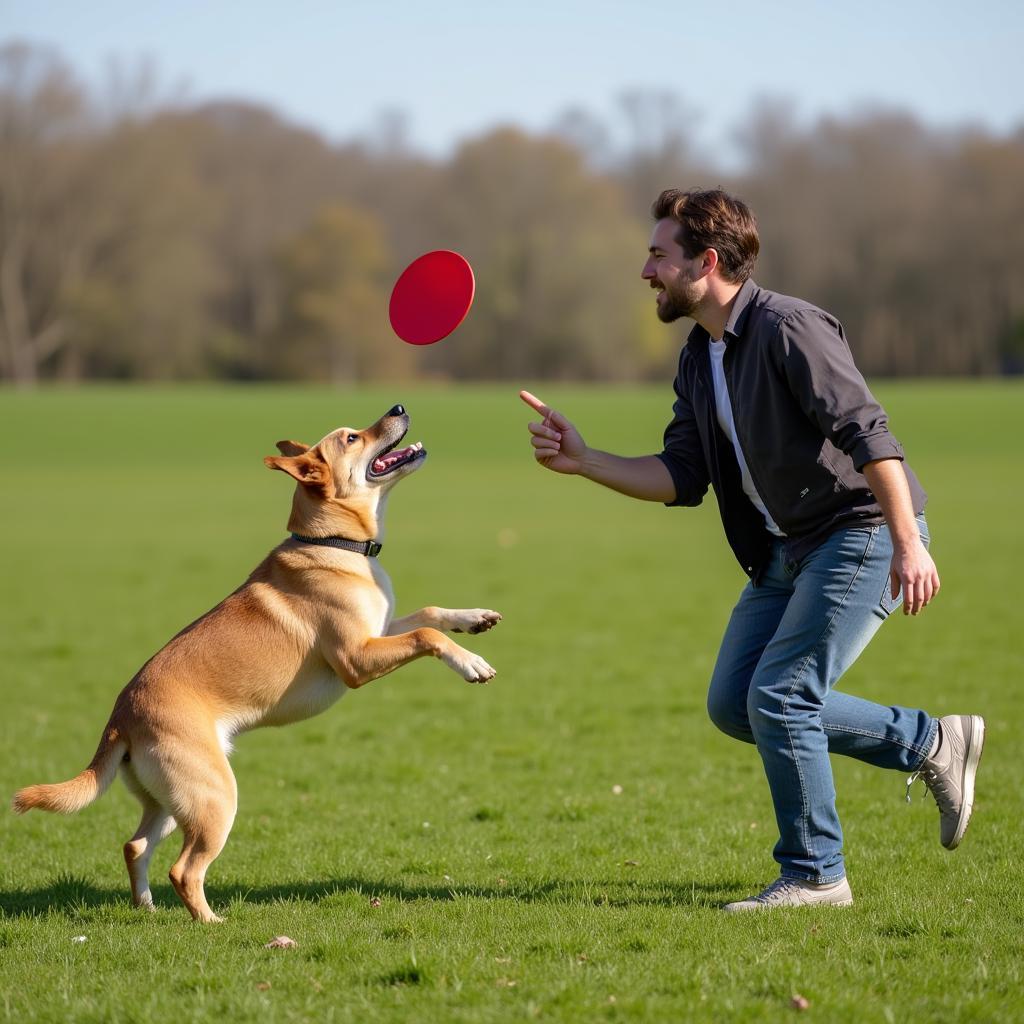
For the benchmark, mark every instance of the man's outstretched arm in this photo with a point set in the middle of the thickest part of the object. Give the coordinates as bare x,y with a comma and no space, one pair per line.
558,446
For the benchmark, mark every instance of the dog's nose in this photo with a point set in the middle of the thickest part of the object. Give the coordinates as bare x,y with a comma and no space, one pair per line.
398,410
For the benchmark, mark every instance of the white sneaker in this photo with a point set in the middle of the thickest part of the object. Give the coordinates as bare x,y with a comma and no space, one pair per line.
795,892
949,774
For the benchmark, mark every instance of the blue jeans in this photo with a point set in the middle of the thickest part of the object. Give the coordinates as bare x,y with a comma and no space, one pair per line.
788,641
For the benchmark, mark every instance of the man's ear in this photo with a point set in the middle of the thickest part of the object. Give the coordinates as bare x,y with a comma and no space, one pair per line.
709,260
308,468
292,447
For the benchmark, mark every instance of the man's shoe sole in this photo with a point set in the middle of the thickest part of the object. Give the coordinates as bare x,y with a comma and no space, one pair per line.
752,904
734,908
975,745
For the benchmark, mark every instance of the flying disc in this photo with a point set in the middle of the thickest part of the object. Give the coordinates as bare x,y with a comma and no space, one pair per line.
432,297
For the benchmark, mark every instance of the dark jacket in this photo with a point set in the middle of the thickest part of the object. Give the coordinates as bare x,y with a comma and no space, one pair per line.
805,420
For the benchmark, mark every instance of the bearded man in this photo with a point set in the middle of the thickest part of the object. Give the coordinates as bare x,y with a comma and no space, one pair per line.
823,515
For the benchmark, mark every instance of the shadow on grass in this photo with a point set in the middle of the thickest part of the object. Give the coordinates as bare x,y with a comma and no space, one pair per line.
72,895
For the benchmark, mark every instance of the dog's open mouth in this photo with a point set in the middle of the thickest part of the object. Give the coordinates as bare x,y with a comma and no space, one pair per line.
392,458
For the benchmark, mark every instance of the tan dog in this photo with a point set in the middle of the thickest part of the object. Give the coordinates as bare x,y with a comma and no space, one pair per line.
314,618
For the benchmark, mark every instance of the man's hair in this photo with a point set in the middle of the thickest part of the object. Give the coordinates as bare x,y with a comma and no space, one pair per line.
712,219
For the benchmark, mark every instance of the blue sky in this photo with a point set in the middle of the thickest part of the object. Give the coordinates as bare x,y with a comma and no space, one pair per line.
457,67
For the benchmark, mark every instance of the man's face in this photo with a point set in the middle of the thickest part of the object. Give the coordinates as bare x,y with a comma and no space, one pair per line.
677,279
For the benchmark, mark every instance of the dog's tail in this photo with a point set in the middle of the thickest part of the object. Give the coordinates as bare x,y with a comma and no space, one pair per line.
73,795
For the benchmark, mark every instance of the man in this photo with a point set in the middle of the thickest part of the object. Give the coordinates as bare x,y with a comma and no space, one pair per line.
823,515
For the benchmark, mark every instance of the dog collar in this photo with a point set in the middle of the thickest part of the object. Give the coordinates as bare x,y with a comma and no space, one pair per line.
370,548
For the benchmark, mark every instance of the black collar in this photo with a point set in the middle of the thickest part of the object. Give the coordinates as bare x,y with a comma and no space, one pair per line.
745,298
741,308
370,548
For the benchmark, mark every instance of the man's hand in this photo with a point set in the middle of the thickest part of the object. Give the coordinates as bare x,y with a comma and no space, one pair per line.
914,572
557,444
912,568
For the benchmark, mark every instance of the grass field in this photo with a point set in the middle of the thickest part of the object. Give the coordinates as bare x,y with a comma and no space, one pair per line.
445,852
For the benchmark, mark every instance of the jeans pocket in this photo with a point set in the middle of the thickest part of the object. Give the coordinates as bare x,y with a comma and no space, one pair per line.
922,526
888,603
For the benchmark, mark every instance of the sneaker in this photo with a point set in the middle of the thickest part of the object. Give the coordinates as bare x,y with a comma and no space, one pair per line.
795,892
949,774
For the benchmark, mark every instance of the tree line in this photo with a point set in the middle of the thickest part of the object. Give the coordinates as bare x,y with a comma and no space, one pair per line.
150,239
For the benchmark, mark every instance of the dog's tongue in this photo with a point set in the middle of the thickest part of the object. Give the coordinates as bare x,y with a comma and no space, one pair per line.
383,462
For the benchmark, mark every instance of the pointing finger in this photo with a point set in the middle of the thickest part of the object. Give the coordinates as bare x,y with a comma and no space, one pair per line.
535,403
551,416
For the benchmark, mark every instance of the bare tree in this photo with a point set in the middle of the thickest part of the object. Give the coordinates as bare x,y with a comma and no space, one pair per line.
141,237
44,139
334,279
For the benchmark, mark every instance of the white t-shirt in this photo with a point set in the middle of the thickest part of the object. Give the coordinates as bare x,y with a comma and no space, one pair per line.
725,421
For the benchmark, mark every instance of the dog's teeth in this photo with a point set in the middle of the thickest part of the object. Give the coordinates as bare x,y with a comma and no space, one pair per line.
384,462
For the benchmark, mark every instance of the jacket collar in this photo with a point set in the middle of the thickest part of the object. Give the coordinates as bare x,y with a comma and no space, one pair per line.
741,308
737,316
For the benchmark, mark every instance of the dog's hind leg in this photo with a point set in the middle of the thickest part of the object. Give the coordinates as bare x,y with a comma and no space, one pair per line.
206,813
157,824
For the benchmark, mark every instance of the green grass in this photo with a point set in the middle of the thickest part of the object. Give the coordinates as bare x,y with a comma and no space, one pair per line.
513,882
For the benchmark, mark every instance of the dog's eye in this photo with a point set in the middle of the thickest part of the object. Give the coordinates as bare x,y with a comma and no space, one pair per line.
352,438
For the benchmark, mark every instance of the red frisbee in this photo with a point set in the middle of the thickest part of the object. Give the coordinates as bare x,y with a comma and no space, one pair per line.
432,297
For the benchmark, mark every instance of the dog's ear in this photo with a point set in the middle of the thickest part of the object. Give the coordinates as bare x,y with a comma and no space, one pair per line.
292,447
309,468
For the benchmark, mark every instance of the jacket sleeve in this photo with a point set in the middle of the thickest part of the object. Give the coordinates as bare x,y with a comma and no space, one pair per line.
683,454
819,367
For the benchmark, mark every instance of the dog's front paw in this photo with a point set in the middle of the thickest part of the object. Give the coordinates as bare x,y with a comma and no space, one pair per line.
474,620
470,666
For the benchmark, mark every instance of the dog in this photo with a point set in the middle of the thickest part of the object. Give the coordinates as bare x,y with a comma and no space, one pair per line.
312,621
